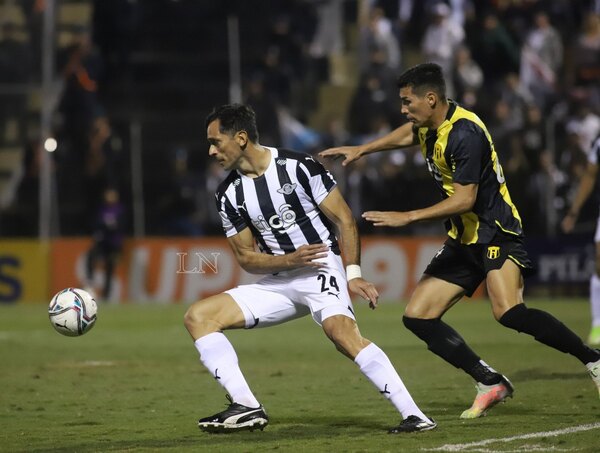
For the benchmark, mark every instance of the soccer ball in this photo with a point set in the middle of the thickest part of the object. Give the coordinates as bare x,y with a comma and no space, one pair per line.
72,312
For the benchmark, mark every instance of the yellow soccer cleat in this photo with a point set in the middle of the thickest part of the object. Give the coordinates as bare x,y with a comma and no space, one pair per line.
488,396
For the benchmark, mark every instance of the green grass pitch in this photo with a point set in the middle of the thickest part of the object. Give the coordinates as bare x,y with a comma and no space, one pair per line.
134,383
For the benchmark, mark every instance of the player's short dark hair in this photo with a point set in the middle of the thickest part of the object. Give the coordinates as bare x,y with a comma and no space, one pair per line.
234,118
424,77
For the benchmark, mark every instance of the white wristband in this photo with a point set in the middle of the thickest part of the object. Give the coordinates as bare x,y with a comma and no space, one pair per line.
353,271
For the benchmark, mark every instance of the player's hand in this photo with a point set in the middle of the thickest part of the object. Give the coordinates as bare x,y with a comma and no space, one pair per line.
307,255
364,289
349,153
568,223
387,218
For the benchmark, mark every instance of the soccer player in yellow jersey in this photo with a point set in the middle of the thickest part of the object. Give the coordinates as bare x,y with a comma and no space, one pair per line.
485,234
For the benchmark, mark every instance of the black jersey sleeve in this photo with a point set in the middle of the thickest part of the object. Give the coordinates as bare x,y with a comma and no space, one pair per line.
466,152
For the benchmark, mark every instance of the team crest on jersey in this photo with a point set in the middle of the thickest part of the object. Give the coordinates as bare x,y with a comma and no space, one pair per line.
438,151
493,252
281,162
287,188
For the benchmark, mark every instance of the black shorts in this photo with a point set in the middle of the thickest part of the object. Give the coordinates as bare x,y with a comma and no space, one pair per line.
467,265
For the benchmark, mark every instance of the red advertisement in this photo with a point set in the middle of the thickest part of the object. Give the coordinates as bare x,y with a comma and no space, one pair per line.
163,270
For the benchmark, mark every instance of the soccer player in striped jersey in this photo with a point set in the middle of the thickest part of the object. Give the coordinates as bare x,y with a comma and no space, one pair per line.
287,205
485,240
585,189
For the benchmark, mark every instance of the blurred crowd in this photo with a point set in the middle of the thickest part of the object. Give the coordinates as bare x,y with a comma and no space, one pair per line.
529,68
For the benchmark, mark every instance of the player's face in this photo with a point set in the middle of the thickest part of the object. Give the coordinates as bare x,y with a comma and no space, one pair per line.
417,109
223,147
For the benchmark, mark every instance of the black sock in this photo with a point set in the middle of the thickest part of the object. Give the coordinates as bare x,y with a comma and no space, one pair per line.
548,330
445,342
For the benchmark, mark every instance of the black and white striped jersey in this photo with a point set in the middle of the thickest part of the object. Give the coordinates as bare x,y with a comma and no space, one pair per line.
281,207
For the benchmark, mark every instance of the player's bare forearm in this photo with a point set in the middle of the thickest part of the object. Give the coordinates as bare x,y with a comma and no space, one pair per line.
460,202
262,263
338,212
442,210
255,262
336,209
350,242
400,137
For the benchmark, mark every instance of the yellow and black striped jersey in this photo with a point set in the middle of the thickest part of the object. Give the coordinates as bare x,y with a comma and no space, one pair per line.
462,151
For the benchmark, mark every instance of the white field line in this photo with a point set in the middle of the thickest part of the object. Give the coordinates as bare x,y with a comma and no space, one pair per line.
558,432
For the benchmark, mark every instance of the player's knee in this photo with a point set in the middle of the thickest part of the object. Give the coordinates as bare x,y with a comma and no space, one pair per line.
190,319
344,335
515,318
337,333
194,316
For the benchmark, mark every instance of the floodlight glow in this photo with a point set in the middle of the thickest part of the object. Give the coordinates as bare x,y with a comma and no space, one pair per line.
50,145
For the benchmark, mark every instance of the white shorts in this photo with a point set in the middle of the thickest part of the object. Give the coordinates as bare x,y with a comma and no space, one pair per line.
288,295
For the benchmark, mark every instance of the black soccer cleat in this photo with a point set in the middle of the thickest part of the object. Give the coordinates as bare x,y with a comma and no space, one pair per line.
413,424
236,417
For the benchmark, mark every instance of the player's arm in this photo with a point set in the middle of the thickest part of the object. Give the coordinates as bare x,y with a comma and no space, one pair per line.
586,186
461,201
337,210
255,262
398,138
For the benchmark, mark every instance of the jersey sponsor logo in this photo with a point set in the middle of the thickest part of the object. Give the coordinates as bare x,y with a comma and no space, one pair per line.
493,252
281,222
438,151
433,170
281,162
287,188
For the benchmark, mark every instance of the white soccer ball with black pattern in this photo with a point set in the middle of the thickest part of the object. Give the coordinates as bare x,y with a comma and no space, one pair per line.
72,312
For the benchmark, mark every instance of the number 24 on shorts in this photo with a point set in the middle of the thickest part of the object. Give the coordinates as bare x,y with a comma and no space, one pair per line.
332,283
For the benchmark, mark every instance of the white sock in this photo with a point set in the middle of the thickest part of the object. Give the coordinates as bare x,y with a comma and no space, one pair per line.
595,299
219,357
377,367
